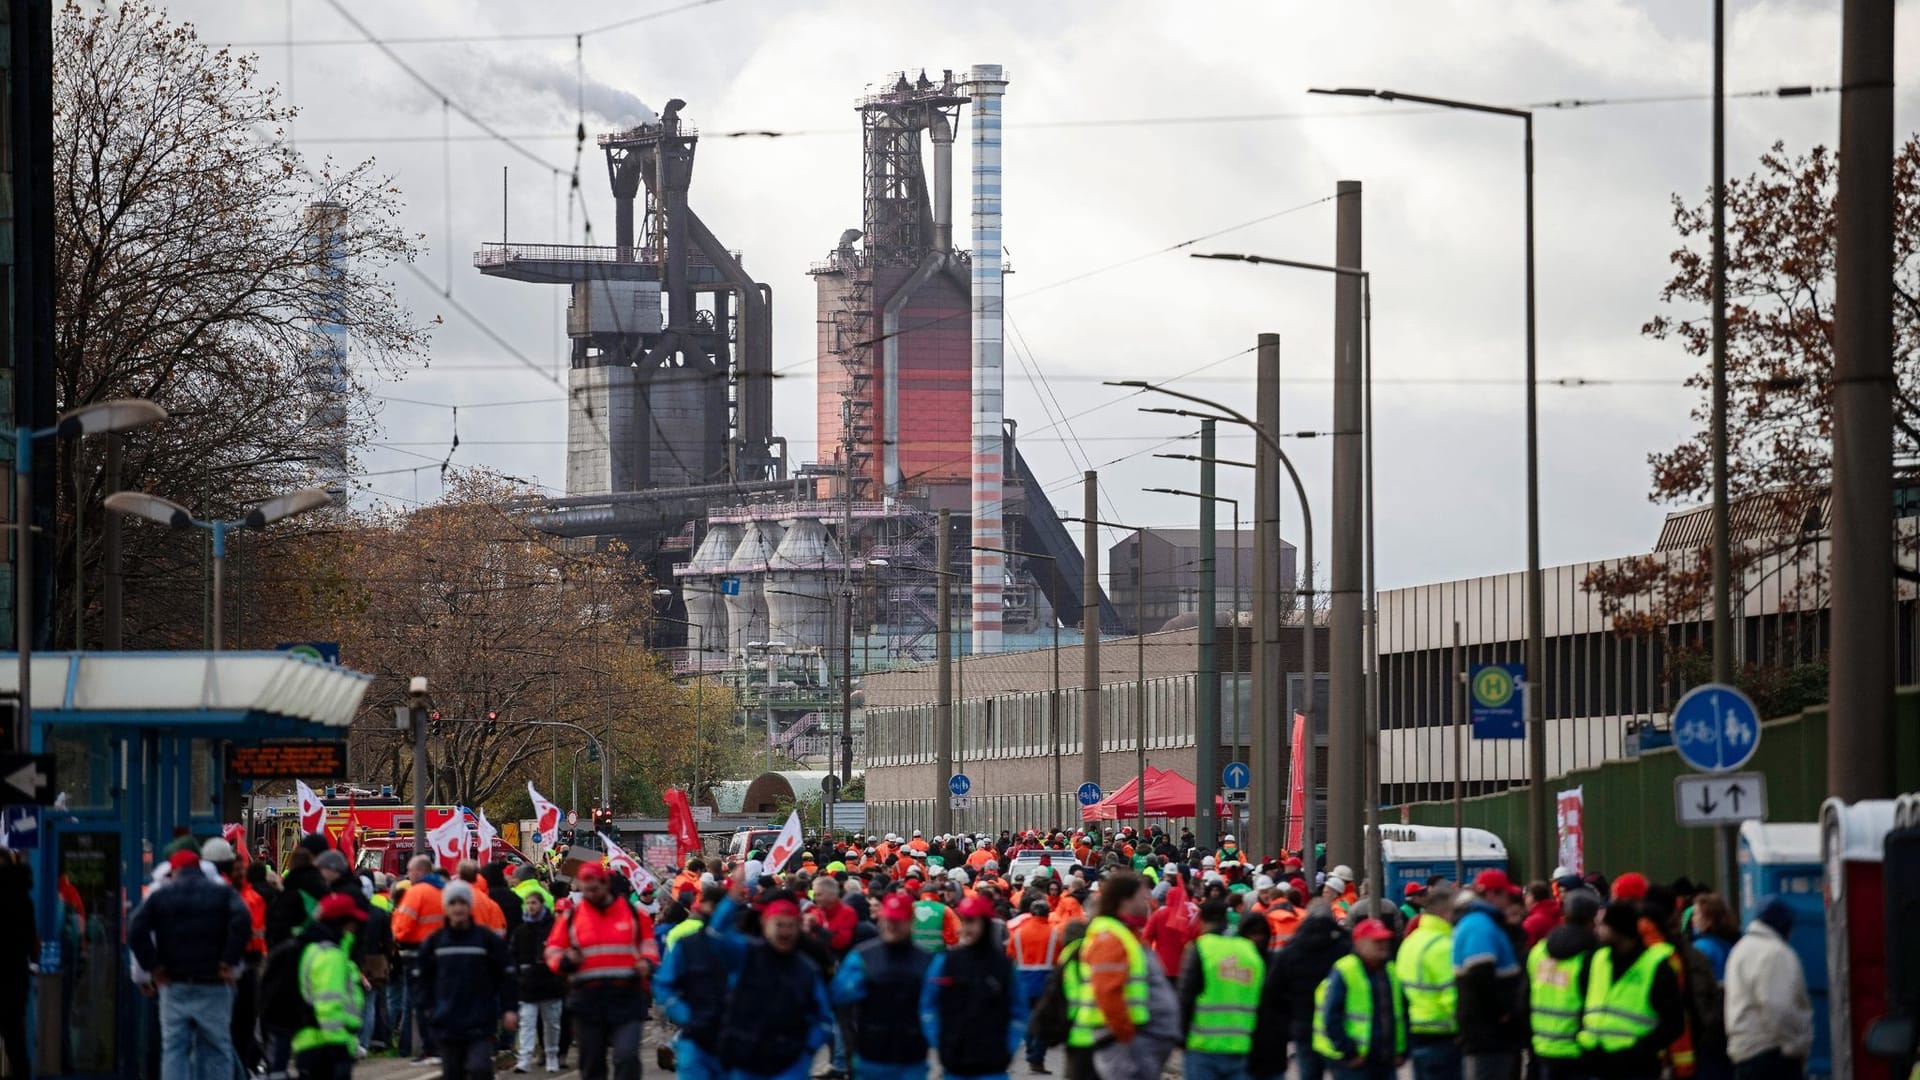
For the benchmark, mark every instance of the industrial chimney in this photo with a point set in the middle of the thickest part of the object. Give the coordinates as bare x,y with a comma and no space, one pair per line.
988,85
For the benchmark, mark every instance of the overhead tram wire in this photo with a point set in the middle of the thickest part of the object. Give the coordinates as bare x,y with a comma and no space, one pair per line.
474,39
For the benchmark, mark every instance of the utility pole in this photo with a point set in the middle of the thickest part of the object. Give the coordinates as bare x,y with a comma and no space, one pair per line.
1723,636
1269,699
1090,633
1207,689
1860,757
113,599
943,686
1346,703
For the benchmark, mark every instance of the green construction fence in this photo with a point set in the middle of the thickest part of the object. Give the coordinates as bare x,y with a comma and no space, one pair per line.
1629,813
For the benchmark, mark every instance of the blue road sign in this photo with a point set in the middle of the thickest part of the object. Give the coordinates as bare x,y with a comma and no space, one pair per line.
20,828
1497,708
730,586
959,784
1716,728
1089,793
1235,775
536,836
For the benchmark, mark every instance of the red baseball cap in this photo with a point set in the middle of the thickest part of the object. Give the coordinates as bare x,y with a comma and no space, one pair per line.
896,906
182,860
1493,881
339,906
1372,930
975,907
1415,888
780,907
590,871
1630,886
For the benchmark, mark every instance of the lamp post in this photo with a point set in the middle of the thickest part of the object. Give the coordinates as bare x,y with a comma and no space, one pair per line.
1541,826
175,516
1140,681
944,692
1053,698
96,419
1306,594
1372,740
606,776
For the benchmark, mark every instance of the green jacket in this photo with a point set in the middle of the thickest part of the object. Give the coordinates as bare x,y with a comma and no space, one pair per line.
330,982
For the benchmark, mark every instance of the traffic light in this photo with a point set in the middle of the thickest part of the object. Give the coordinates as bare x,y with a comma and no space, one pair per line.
493,722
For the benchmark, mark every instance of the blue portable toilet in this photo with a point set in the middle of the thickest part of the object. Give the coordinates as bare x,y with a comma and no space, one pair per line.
1783,859
1413,853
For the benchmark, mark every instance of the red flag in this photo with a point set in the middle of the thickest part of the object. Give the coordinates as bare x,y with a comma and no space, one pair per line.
1297,788
350,832
686,835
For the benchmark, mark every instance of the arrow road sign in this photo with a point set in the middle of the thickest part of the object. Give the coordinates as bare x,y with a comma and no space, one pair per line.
960,802
1716,728
1720,798
1089,793
1235,775
26,778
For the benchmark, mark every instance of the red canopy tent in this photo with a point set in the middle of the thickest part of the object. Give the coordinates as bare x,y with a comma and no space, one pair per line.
1168,795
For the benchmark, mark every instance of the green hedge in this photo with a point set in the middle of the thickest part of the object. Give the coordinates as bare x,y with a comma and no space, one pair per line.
1629,804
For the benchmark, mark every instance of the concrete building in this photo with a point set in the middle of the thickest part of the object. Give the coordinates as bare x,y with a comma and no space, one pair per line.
1166,564
1006,742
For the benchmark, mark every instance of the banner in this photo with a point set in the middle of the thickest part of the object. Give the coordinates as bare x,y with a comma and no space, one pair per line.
349,833
686,834
313,812
487,835
786,845
449,842
1297,786
1571,812
626,865
546,816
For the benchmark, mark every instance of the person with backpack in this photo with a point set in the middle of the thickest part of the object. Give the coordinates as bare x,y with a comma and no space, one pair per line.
328,983
972,1009
466,987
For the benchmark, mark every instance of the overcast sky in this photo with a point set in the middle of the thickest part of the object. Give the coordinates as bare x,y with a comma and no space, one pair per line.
1094,187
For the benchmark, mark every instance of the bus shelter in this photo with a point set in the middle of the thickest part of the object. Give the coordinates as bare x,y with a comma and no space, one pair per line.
139,742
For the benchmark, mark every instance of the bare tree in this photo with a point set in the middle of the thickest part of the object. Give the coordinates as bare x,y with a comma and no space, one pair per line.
189,273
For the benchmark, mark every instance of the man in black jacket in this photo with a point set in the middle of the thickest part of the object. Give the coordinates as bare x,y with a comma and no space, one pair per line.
466,981
542,990
1286,999
190,935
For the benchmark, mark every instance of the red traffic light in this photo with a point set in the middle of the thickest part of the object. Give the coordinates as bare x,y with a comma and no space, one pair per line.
492,716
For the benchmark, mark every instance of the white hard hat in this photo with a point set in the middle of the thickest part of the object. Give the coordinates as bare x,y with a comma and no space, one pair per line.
1344,873
957,875
1263,882
1228,838
1207,861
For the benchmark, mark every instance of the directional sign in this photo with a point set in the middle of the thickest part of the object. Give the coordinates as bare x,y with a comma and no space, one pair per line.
1720,798
1498,701
27,778
959,784
1089,793
961,802
1716,728
1235,776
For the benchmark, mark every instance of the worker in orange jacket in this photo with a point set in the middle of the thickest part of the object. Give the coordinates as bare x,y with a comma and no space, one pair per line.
1034,944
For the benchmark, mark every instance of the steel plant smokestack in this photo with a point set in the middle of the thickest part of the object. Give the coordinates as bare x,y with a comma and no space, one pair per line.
989,442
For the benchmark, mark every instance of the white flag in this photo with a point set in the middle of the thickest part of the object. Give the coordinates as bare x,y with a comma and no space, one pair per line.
449,841
313,812
622,863
546,816
786,845
487,833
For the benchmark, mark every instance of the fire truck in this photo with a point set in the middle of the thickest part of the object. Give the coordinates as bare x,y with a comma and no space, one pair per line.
383,834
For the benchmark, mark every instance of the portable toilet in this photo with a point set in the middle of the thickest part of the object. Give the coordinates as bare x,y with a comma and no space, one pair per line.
1413,853
1852,850
1783,859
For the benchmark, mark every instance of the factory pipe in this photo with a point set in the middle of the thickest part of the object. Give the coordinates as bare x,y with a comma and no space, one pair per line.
988,85
942,133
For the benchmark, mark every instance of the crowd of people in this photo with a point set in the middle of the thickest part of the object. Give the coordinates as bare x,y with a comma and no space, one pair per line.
892,954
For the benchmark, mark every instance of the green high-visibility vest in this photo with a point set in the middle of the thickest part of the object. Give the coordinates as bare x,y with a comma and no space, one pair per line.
1556,1003
1425,967
1360,1004
1619,1008
930,925
1229,1000
685,928
1089,1023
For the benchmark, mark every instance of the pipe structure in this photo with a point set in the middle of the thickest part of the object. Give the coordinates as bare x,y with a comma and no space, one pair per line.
942,135
943,685
988,85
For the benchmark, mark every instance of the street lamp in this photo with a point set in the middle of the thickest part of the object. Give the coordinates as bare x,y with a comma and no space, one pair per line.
1140,683
1306,619
1053,699
1372,705
175,516
1541,826
101,417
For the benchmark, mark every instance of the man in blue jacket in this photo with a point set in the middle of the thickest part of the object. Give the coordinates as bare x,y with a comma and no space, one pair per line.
776,1013
970,997
879,985
191,934
1489,982
465,976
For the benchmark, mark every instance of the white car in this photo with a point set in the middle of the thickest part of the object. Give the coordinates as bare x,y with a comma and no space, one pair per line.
1023,865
